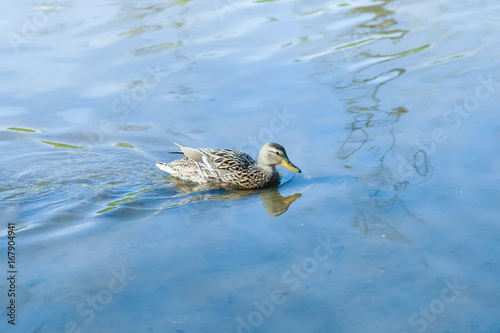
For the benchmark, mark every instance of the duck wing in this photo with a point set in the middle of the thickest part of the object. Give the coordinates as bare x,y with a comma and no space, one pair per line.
219,160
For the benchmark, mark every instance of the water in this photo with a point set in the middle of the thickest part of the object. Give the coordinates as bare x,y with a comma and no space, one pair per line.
388,107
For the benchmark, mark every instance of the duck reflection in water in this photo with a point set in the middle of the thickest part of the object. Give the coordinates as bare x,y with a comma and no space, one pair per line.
274,203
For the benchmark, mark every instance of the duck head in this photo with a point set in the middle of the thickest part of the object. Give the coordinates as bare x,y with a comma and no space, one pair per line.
272,154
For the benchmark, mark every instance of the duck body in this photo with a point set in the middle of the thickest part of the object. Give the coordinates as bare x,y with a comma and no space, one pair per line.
229,168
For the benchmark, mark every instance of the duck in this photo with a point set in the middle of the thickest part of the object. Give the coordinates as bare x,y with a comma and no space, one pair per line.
230,168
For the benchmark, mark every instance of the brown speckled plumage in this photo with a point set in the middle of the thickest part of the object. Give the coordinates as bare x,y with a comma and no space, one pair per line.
228,168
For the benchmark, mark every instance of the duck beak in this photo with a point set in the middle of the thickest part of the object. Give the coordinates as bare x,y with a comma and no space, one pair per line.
289,165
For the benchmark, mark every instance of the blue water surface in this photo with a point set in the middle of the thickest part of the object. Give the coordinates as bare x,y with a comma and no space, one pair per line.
390,108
